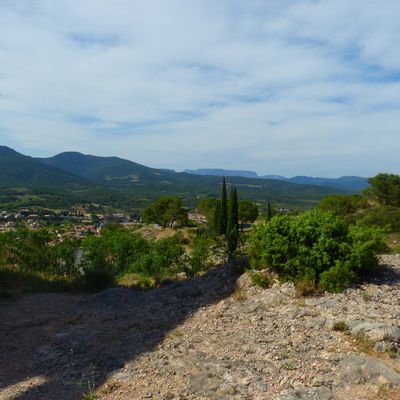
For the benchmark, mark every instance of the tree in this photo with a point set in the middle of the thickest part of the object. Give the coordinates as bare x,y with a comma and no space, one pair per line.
165,211
269,211
248,211
207,207
233,212
385,188
232,230
235,209
343,205
217,217
221,213
224,208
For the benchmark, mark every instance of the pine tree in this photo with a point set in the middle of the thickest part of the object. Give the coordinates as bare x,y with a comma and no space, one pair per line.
224,211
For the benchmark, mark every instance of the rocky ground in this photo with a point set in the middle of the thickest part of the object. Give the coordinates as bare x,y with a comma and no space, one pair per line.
213,337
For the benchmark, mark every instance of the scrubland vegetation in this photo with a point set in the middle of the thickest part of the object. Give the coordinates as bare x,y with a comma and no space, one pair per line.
327,248
37,260
332,246
317,248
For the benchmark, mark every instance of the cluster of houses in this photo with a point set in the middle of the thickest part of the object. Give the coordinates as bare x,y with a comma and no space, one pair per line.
37,219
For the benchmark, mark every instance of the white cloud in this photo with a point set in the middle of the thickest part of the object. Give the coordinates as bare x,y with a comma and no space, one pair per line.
288,87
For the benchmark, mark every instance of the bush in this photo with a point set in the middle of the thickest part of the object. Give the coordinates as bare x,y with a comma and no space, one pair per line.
198,258
64,256
316,247
114,251
337,277
386,217
162,259
343,205
305,287
261,279
340,326
385,188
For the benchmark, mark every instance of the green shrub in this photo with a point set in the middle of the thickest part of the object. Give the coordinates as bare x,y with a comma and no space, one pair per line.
261,279
340,326
63,256
385,188
337,277
162,259
386,217
343,205
197,259
315,247
114,251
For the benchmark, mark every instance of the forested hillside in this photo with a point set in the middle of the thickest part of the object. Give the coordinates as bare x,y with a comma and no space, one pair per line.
72,177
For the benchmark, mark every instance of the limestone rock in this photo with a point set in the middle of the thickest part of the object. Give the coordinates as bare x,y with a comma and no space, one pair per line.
361,369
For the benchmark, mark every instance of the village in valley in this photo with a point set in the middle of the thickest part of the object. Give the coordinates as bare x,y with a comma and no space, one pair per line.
80,222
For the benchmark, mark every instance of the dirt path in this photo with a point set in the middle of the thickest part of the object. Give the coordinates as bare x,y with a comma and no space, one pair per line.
213,337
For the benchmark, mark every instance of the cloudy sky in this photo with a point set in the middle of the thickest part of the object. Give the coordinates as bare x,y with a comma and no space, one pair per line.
290,87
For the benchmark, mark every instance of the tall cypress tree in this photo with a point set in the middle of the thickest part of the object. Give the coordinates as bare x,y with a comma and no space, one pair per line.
217,217
224,211
269,211
232,230
235,209
233,212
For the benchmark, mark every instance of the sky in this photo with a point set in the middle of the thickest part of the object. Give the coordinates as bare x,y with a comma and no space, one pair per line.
288,87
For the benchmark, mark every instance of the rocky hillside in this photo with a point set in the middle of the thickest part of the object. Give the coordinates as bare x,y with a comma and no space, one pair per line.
214,337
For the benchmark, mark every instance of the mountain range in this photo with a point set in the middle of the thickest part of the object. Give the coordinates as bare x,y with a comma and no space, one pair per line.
351,183
72,177
222,172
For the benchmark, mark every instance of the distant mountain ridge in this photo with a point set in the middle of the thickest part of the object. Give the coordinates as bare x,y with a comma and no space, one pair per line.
352,183
222,172
76,178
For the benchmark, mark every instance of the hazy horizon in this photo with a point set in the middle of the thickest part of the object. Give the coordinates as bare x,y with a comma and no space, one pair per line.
281,88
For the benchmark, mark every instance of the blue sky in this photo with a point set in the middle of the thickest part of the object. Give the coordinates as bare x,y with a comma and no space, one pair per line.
283,87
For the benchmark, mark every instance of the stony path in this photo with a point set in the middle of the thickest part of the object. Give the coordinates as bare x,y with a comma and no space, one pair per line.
211,338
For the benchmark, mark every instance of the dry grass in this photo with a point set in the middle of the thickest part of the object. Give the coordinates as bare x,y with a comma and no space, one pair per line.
386,393
136,281
306,287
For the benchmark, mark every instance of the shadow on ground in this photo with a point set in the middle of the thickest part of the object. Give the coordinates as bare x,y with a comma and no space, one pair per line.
383,274
73,342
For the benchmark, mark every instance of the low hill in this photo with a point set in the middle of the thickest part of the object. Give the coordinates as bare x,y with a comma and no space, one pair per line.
19,170
26,182
105,169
